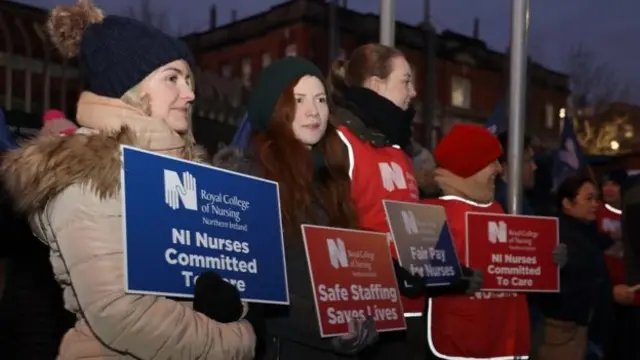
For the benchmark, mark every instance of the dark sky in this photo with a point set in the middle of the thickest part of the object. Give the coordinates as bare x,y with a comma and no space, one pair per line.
608,27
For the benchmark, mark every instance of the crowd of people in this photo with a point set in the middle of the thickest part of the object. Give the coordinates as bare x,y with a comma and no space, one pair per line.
323,140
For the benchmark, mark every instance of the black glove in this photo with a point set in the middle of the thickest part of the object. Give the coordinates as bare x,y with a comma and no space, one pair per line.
216,298
411,286
362,333
468,282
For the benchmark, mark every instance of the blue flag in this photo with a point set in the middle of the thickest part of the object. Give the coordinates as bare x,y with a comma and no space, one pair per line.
7,141
569,159
243,134
497,122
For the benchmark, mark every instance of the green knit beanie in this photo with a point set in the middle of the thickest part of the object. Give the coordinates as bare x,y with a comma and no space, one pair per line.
271,84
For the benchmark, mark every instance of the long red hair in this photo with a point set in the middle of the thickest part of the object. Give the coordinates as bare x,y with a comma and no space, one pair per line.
289,162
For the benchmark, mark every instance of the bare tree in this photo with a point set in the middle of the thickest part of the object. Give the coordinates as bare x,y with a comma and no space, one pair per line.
594,83
147,14
595,88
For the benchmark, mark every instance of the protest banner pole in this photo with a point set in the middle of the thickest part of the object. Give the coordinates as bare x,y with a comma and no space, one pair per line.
517,89
388,22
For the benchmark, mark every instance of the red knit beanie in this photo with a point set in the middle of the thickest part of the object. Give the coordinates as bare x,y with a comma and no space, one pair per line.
467,149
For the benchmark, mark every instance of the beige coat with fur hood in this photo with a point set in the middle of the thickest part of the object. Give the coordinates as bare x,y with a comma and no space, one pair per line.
70,187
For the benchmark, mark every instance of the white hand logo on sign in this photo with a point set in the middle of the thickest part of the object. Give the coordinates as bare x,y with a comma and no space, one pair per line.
174,190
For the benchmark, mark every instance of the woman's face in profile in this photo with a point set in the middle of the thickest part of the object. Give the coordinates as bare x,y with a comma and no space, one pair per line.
170,93
312,110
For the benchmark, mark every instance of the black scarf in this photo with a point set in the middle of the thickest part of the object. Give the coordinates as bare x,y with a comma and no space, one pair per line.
380,114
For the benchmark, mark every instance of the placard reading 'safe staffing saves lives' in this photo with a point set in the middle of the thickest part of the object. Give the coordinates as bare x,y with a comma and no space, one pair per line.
352,276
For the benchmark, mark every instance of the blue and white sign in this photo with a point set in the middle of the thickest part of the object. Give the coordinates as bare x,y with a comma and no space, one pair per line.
423,241
182,219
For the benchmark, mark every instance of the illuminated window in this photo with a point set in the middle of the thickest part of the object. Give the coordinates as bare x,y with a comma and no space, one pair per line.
246,71
226,71
460,92
290,50
266,59
550,115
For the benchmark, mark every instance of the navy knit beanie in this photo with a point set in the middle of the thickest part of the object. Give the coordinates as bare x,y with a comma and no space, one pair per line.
115,53
271,84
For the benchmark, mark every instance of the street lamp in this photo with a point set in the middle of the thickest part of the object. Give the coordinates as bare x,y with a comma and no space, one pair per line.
614,145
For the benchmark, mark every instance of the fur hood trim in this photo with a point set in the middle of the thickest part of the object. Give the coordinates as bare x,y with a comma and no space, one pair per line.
43,167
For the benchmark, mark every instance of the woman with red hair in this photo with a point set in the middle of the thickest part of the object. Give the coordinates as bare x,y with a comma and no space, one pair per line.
294,144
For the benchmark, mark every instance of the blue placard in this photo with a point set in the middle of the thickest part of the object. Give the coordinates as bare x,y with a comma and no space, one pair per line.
182,219
423,241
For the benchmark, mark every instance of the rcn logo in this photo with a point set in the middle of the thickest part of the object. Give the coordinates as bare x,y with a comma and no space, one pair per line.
497,232
337,253
409,220
176,191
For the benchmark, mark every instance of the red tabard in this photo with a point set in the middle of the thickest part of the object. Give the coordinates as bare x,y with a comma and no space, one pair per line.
486,325
608,219
379,174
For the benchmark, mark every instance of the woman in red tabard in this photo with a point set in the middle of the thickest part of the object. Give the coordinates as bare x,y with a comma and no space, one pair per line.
484,325
609,219
372,92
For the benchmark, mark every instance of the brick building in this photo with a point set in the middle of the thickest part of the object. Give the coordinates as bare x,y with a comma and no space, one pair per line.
33,77
471,77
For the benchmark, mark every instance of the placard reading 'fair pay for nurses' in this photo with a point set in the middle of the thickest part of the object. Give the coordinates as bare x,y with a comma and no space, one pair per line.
514,252
423,241
352,277
182,219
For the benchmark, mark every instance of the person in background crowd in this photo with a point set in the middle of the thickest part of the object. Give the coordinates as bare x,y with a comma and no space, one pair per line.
294,144
528,174
32,315
627,298
55,122
372,92
631,241
476,325
528,179
424,166
610,211
138,93
583,307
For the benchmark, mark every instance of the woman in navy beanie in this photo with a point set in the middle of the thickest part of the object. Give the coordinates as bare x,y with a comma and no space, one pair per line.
139,92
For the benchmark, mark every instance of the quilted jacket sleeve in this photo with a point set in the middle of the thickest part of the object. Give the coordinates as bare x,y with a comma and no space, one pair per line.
87,232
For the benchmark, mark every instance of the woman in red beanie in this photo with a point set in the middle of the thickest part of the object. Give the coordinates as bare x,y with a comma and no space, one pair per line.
484,325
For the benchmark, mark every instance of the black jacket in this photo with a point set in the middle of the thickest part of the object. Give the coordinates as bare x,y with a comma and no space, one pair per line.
631,231
32,315
585,295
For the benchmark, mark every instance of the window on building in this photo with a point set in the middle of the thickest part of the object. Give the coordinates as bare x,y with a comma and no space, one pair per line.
246,71
549,115
290,50
226,70
266,59
460,92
